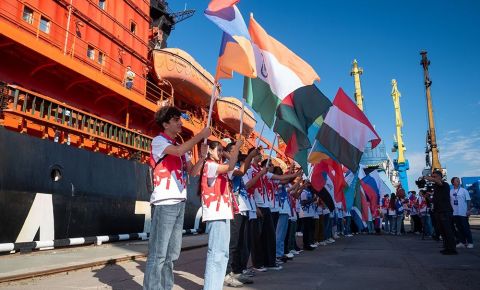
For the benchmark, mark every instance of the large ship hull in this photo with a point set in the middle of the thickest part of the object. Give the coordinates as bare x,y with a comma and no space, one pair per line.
51,191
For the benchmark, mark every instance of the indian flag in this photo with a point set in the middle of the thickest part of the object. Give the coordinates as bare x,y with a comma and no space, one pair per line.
280,72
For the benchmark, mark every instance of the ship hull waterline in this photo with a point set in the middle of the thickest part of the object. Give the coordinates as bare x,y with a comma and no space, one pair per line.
96,194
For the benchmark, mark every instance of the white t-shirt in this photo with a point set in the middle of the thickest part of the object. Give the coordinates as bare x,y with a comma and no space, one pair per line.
458,199
243,203
214,207
273,202
169,190
252,207
308,209
261,200
282,201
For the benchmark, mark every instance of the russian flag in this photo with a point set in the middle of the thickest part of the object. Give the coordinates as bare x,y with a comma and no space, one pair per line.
236,51
372,192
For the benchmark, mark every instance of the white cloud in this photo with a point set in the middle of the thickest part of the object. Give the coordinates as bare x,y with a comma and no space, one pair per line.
416,160
461,153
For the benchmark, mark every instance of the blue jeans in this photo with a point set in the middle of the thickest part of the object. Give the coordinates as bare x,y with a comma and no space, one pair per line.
348,225
392,220
328,227
399,223
386,228
281,232
164,245
217,254
426,225
370,227
339,226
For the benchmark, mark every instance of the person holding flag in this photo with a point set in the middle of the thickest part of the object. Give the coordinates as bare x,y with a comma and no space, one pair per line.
218,206
170,165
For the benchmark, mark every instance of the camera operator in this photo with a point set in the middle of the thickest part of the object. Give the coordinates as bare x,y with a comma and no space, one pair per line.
443,211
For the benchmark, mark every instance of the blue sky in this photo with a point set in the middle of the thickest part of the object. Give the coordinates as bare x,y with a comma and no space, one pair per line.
386,38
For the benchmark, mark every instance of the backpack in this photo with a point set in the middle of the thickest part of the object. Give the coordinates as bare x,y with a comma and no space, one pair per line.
150,173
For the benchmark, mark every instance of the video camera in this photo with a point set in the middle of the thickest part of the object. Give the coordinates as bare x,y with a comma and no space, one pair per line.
424,184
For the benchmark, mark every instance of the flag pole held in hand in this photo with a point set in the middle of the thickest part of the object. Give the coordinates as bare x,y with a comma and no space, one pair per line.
210,110
241,117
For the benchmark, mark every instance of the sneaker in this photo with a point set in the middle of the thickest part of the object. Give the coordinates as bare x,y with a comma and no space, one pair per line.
294,252
279,261
469,246
231,281
460,245
248,272
275,268
331,240
261,269
243,278
323,243
349,235
314,245
336,236
290,255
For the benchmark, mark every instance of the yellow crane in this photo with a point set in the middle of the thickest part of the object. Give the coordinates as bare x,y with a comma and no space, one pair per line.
401,164
356,73
431,135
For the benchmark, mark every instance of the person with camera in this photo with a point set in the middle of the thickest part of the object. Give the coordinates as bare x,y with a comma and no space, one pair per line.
460,200
443,211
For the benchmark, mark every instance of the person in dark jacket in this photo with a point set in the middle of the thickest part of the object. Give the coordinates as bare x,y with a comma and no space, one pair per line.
443,211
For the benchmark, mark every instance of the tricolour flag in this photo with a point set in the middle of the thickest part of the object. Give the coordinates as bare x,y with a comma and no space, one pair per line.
279,73
236,52
296,114
346,131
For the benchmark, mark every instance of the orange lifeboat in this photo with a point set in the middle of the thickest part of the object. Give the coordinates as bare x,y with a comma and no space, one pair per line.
229,110
192,83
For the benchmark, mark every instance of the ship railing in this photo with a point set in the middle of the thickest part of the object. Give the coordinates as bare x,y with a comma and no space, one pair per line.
77,124
71,43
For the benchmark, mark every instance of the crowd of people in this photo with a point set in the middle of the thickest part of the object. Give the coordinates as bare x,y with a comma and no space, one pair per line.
253,210
439,211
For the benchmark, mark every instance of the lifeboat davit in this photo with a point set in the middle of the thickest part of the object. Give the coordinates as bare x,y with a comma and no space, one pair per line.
229,110
191,82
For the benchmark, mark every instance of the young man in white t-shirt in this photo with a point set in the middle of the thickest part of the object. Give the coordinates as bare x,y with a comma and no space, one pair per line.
171,166
460,200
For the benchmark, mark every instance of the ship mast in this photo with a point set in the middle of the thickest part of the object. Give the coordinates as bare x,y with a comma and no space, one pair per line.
432,140
401,164
356,72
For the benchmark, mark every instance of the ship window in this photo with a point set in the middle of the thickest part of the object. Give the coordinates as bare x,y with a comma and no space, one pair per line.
133,27
44,24
102,4
101,58
91,52
28,14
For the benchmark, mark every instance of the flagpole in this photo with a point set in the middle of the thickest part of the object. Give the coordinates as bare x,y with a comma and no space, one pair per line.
271,150
261,133
210,110
311,150
241,117
273,143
